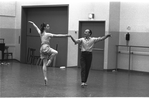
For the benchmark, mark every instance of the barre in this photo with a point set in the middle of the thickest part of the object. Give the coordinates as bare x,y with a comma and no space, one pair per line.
129,52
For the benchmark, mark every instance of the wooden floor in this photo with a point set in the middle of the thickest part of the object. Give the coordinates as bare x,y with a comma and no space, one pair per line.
22,80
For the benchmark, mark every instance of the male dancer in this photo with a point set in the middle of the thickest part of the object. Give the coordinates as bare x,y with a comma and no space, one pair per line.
87,44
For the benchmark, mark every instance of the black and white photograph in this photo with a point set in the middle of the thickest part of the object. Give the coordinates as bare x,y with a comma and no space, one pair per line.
74,48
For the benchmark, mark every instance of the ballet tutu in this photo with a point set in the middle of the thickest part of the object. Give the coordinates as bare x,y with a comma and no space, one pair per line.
45,51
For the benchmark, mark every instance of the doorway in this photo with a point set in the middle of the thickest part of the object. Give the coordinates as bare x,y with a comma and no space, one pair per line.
98,30
57,17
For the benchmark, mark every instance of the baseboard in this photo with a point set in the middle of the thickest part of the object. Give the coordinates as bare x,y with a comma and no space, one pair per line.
132,71
11,60
72,67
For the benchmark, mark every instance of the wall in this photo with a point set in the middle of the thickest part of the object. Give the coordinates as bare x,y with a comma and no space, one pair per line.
114,23
104,11
131,14
134,14
7,24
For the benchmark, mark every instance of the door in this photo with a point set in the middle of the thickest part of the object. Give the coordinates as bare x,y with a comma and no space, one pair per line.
57,18
98,30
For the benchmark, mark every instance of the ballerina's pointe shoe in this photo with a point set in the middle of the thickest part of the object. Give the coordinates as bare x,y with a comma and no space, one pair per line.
45,81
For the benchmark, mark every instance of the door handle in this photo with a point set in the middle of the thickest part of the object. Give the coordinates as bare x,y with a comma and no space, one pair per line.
19,40
30,30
